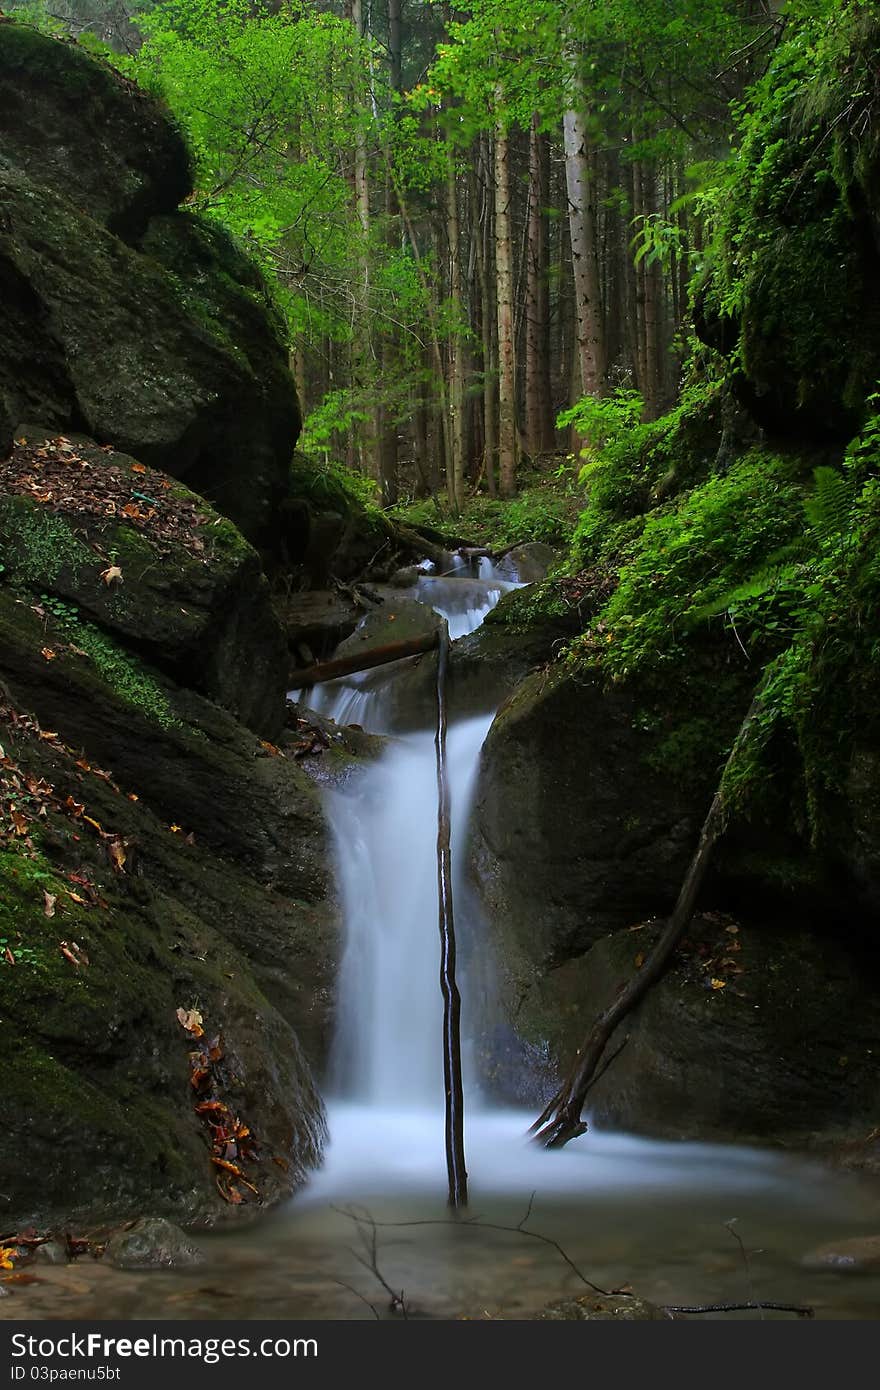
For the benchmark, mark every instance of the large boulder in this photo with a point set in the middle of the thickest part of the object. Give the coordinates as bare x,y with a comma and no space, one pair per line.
150,563
574,833
77,125
757,1033
182,864
165,345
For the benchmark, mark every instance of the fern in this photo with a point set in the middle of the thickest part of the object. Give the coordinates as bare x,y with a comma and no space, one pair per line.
763,582
829,507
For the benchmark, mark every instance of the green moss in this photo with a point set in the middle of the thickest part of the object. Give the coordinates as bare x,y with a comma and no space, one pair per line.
37,544
524,609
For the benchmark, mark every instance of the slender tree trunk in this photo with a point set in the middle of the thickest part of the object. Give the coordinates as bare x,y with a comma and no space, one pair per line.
484,237
507,432
652,291
455,478
452,1081
538,399
581,188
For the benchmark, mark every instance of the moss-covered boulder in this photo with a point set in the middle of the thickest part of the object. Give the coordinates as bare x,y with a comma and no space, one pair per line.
101,539
165,345
73,123
762,1032
185,868
574,832
793,289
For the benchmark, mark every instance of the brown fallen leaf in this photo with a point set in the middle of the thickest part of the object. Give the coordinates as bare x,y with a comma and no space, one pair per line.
8,956
118,856
112,575
192,1021
48,653
718,984
74,953
49,901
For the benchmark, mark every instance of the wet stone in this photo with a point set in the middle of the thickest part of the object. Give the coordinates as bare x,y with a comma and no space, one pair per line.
860,1255
592,1307
153,1243
51,1252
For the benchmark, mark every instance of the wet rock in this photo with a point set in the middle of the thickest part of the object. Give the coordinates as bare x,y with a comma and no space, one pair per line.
399,619
755,1033
224,899
316,621
153,1243
51,1252
574,832
527,563
860,1255
591,1307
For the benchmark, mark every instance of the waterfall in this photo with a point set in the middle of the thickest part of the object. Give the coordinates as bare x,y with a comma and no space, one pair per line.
387,1048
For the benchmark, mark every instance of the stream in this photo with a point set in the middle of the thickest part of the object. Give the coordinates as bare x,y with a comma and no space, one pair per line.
651,1216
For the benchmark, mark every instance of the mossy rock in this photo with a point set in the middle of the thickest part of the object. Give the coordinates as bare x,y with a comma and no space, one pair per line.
183,368
197,608
223,903
758,1033
71,122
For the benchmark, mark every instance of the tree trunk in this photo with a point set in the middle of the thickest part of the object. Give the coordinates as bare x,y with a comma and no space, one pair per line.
507,432
455,478
539,435
455,1162
581,189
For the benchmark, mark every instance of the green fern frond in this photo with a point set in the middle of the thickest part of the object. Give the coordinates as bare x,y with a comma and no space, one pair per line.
761,583
829,507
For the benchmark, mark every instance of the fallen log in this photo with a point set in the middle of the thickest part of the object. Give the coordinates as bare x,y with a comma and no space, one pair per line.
560,1119
354,662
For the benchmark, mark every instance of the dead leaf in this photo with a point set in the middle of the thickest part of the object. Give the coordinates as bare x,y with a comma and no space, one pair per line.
718,984
118,856
192,1021
74,953
9,957
138,468
112,575
49,901
639,960
48,653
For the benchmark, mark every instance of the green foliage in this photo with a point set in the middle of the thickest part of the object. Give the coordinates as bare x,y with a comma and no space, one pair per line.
628,466
331,486
122,671
40,545
788,277
546,509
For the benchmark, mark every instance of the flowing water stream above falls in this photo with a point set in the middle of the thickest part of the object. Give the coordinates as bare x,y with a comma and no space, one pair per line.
649,1215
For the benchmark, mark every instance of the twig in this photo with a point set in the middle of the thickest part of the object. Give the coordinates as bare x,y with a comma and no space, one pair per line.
476,1223
728,1226
801,1309
351,1289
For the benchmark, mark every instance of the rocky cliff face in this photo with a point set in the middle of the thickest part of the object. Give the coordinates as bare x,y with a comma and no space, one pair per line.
167,929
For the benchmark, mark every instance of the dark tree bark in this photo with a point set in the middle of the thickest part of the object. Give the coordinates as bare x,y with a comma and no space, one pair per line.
454,1093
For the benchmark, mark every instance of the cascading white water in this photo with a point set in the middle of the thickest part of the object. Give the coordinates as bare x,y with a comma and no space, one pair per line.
387,1050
